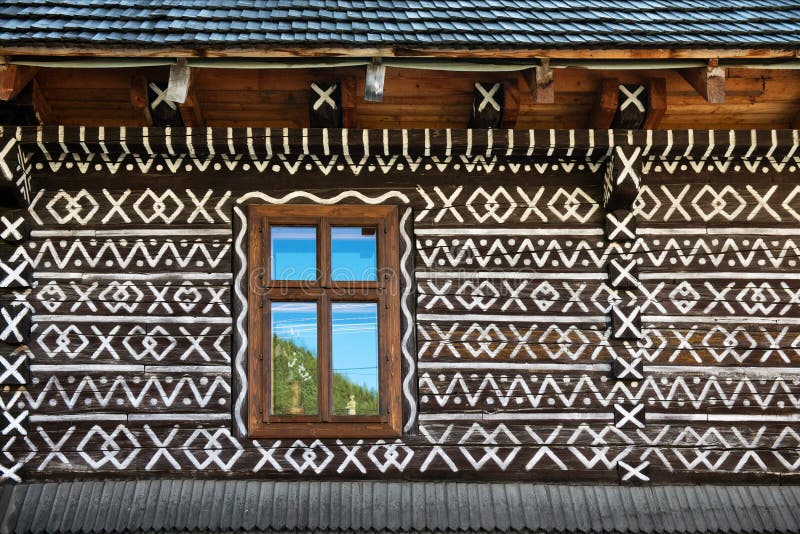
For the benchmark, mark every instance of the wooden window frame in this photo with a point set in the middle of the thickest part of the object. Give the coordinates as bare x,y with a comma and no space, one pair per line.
262,290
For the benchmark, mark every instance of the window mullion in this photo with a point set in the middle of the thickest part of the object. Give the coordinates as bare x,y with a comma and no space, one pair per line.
325,358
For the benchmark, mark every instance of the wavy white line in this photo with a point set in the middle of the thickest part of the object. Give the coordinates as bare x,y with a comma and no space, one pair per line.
407,380
240,354
320,200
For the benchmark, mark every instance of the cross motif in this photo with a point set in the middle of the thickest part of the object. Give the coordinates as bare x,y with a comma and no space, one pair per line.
629,473
488,97
12,227
15,275
622,274
15,325
633,418
622,369
620,225
161,96
626,322
632,97
325,96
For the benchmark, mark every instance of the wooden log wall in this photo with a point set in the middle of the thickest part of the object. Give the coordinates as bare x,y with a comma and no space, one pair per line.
755,98
513,366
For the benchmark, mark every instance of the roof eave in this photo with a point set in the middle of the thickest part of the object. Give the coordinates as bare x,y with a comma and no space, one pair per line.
272,51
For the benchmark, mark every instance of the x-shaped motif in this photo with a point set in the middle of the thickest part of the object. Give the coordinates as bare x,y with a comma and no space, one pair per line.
14,423
194,343
161,96
439,294
116,206
625,323
10,372
627,166
622,275
629,418
514,296
625,370
200,206
14,276
487,97
676,202
11,332
84,296
635,473
105,341
11,229
325,96
620,225
632,97
350,456
761,202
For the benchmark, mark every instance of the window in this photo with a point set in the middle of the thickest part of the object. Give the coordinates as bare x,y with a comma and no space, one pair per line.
324,322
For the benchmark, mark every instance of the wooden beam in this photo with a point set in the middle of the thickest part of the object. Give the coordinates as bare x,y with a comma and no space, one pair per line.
139,98
349,103
180,76
510,104
13,79
540,82
487,105
40,104
191,111
708,81
316,52
606,106
657,102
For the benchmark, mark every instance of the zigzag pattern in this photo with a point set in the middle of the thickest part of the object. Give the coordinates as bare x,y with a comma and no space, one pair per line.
166,254
778,252
530,391
68,392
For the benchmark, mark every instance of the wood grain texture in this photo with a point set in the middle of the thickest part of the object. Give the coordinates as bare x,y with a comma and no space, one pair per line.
516,371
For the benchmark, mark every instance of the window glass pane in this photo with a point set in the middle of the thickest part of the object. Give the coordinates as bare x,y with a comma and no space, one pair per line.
294,252
294,358
353,253
355,358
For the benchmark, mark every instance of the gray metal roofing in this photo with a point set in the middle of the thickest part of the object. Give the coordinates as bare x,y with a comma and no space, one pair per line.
197,505
427,23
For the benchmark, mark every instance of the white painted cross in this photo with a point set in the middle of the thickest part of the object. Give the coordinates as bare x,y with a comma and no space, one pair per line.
11,228
487,97
629,417
632,97
325,96
161,96
636,473
620,229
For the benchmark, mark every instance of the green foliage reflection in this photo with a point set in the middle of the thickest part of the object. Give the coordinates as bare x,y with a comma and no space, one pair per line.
291,363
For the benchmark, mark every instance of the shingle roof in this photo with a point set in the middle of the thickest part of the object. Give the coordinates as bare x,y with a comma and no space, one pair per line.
425,23
201,506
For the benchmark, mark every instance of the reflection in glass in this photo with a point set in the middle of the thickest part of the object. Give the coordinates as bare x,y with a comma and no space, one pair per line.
353,253
294,358
294,252
355,358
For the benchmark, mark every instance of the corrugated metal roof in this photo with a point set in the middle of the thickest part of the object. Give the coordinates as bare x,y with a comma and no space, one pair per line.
208,505
473,23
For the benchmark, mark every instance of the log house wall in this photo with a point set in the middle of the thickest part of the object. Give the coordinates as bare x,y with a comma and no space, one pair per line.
135,348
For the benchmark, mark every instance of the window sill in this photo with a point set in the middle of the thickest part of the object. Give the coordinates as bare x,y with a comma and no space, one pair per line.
325,430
